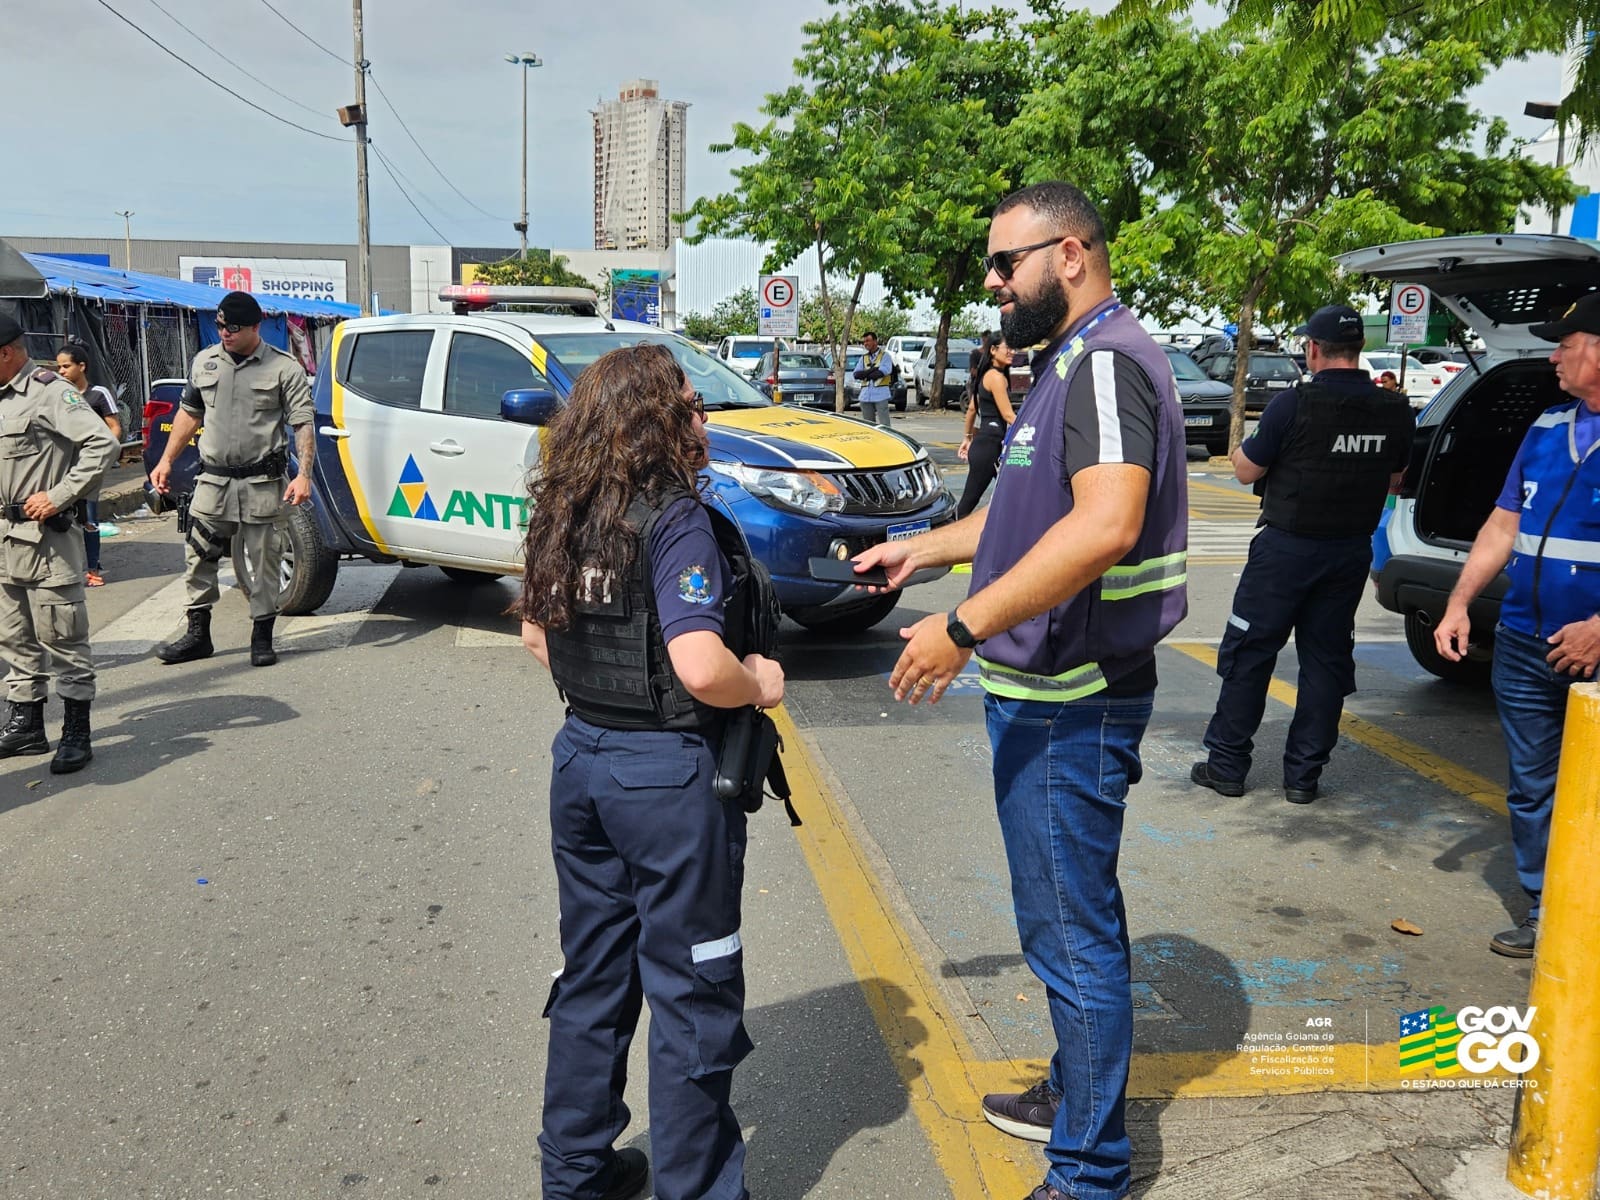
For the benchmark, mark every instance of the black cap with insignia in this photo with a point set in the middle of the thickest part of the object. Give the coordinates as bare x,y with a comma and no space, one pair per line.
1582,317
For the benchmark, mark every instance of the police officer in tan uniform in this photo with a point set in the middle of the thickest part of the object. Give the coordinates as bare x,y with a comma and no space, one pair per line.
243,392
54,449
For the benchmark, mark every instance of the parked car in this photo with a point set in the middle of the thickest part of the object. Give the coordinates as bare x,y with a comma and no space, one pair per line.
955,372
427,425
742,352
1266,375
1497,285
1420,383
852,385
798,376
1215,344
905,349
1207,404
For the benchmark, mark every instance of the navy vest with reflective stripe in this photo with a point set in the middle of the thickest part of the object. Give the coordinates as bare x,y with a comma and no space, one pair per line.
1555,563
1109,628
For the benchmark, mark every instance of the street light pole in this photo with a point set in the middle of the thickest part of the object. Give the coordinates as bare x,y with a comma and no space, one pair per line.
1545,111
127,240
527,61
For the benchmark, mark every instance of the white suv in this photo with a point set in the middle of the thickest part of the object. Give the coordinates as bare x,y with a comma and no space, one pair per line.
742,352
1497,285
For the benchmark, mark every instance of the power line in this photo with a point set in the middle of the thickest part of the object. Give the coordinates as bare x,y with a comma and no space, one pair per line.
388,170
284,95
306,35
396,114
173,54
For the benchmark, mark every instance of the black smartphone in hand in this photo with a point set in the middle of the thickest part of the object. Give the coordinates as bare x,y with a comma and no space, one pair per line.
842,570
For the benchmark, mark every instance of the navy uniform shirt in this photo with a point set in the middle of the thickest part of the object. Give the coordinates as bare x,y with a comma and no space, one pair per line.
688,572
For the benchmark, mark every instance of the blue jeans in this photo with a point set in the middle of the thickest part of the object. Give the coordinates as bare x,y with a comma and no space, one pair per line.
1532,700
91,534
1061,778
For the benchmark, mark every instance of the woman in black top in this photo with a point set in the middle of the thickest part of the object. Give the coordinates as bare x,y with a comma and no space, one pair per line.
989,414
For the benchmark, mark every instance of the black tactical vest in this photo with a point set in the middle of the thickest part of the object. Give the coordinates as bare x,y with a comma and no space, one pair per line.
1332,475
611,664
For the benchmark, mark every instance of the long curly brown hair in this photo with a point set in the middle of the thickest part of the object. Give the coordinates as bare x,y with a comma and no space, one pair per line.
626,432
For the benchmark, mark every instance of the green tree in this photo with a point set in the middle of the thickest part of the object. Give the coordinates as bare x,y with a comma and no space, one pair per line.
1327,32
540,268
1250,187
886,157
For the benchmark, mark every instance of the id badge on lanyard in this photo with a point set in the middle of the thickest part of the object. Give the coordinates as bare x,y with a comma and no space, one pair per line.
1070,350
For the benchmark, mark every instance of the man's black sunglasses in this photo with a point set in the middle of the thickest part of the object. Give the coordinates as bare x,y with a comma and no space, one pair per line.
1004,262
228,327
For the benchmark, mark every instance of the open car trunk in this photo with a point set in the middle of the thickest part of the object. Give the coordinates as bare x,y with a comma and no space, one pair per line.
1473,447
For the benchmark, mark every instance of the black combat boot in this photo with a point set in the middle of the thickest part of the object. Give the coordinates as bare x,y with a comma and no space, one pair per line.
196,643
261,652
23,732
73,753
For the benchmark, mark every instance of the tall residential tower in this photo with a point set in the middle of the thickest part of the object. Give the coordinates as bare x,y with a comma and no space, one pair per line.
638,169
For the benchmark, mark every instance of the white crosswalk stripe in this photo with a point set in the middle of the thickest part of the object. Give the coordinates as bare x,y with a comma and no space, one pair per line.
1219,541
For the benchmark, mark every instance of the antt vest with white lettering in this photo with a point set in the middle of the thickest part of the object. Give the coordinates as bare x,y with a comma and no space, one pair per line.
1555,561
1331,477
1110,627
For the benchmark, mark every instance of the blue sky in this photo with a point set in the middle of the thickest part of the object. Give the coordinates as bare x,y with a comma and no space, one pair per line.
123,126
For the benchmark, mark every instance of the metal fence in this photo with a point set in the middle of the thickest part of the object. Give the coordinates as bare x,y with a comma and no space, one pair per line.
145,343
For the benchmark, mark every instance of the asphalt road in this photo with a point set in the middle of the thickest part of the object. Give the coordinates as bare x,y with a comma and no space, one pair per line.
290,934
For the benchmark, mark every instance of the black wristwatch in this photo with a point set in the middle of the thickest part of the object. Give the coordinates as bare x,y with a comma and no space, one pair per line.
959,633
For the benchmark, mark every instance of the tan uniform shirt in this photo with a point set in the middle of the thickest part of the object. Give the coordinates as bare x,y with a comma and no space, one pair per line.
245,410
51,441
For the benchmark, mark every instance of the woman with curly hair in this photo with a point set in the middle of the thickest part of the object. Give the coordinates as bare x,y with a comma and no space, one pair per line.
623,600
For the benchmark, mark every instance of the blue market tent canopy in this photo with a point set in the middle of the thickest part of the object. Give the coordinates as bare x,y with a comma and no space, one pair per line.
133,287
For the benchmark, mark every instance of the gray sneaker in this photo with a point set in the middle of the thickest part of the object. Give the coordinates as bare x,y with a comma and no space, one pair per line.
1030,1114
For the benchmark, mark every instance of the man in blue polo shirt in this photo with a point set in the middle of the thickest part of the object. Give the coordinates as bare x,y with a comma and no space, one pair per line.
1327,452
1544,533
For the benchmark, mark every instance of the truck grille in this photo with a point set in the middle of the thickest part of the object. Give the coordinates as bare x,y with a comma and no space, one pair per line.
901,490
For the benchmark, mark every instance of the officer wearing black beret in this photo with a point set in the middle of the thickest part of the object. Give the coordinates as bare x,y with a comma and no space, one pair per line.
1326,452
243,395
54,449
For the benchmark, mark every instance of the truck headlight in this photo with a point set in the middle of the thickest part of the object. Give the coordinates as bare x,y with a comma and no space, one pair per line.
803,491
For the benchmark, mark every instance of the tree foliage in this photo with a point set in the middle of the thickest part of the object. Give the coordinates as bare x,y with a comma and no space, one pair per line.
886,157
540,268
1248,188
1328,32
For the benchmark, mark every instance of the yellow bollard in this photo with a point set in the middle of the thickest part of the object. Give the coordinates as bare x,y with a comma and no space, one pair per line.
1555,1140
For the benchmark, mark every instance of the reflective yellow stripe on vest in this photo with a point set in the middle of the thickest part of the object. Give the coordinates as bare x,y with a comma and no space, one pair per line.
1151,575
1072,684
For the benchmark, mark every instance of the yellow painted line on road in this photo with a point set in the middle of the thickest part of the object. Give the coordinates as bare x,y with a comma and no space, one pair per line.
1477,788
943,1077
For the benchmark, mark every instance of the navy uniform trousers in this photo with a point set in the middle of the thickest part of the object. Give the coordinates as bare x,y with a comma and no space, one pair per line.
650,865
1312,587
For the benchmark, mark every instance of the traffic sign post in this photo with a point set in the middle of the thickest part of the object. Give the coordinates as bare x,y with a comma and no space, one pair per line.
779,306
1409,306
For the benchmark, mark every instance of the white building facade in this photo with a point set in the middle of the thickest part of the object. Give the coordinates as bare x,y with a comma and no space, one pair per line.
638,169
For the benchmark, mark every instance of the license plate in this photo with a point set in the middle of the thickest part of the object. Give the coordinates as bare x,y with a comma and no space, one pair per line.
1277,383
1197,420
908,529
803,397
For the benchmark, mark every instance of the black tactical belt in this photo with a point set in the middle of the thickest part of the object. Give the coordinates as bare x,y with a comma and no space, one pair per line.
273,464
60,522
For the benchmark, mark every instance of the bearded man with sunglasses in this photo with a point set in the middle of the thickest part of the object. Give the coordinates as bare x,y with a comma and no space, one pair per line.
1078,570
242,397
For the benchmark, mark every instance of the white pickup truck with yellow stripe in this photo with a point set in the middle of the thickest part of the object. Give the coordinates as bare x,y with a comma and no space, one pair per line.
422,457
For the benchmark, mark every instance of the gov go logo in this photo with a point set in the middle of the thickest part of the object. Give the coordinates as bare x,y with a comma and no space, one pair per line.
1475,1040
